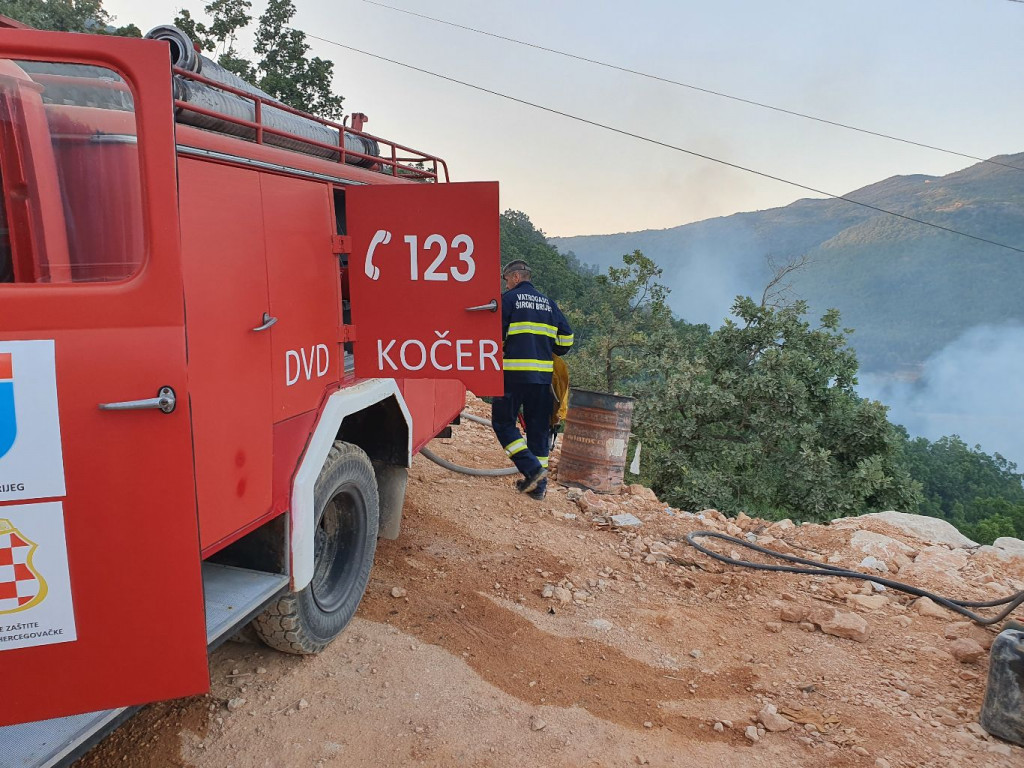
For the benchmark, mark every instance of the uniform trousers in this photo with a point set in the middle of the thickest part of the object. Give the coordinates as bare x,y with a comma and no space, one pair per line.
531,454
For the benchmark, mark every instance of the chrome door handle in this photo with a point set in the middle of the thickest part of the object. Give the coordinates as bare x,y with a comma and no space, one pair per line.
491,306
164,401
267,322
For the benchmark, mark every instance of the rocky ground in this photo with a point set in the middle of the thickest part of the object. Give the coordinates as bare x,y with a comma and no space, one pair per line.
500,631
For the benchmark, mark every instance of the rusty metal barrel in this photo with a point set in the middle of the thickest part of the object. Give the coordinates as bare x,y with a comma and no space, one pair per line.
595,441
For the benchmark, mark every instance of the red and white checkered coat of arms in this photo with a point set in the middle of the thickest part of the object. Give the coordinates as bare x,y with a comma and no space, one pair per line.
21,585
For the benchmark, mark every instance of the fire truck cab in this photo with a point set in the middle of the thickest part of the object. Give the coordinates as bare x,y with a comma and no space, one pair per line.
225,329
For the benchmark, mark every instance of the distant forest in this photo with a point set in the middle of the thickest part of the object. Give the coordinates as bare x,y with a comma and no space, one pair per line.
761,415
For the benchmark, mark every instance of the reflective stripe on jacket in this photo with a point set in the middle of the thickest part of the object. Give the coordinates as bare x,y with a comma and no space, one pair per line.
535,330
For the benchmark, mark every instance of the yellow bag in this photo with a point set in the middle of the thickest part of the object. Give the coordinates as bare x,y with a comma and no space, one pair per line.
559,390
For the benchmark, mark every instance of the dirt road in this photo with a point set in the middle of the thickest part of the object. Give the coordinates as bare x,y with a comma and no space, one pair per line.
634,657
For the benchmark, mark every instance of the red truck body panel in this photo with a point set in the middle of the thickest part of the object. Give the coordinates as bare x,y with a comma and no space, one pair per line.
117,545
224,261
150,255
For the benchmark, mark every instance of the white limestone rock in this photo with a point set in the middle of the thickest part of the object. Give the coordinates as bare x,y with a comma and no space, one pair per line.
892,551
928,529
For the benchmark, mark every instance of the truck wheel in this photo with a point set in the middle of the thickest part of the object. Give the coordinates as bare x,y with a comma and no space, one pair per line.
346,539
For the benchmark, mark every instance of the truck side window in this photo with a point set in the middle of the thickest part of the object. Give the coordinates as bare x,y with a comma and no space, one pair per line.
69,164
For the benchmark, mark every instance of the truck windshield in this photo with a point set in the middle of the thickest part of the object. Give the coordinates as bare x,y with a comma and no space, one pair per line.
71,205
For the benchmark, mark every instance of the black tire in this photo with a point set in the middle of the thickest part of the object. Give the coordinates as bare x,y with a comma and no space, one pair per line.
348,512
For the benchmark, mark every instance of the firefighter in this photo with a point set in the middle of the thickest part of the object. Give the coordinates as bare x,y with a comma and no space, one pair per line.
535,330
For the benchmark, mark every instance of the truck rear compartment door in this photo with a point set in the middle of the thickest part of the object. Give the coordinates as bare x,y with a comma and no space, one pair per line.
424,277
101,601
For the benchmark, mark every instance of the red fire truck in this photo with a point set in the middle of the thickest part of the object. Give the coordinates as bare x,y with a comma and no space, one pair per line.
225,329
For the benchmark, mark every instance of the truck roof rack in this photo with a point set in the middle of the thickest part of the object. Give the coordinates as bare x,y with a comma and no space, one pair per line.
393,159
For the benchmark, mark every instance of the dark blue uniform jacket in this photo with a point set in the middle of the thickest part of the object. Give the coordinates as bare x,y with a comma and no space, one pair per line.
534,329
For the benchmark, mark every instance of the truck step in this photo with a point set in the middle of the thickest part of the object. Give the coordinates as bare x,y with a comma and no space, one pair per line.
59,741
233,597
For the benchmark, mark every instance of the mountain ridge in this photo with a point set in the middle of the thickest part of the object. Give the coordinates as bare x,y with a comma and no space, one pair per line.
907,289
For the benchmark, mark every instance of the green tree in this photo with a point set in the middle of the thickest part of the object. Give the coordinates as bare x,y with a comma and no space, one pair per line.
764,419
283,67
979,493
66,16
285,70
220,37
560,276
618,333
992,528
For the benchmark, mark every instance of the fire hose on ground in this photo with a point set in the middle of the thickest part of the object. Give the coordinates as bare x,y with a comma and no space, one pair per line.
816,568
476,419
467,470
500,472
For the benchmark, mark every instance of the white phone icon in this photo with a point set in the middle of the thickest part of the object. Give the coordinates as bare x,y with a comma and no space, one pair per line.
382,237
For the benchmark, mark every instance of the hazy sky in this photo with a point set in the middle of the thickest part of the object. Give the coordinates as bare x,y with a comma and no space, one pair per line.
943,72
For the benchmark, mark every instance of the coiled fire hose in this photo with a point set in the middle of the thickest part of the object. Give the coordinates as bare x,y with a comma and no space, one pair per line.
502,472
815,568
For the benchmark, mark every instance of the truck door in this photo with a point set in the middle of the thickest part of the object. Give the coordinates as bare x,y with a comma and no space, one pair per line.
101,601
424,277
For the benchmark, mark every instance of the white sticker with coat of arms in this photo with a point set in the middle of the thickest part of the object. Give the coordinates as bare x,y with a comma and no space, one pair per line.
31,459
35,586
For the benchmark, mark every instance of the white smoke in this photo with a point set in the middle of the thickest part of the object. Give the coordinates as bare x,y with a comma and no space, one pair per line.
708,298
973,388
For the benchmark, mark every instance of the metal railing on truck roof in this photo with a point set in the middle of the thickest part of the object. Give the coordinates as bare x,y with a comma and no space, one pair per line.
403,162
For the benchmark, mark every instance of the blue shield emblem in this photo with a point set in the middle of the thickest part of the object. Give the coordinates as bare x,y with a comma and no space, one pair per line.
8,422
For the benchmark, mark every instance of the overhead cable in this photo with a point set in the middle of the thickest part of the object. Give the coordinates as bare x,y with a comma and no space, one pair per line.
666,145
709,91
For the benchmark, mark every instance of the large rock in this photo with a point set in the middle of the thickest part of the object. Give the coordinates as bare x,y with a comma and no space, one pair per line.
893,552
936,566
793,612
926,607
592,504
1002,562
1009,545
781,527
841,624
643,492
928,529
770,718
960,629
867,602
966,651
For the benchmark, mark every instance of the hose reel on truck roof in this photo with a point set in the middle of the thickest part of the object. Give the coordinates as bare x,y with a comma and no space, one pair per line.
231,105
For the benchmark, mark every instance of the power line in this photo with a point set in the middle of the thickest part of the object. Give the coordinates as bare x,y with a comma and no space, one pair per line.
656,142
669,81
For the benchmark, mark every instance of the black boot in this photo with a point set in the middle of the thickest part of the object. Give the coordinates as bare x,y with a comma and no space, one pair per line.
530,482
538,493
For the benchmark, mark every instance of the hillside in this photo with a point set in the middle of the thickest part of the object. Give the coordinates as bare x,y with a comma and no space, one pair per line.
908,290
502,632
